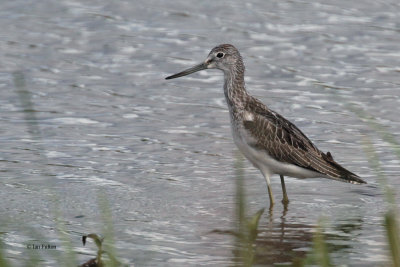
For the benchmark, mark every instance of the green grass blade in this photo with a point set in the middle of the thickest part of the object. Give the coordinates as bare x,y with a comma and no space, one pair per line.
392,231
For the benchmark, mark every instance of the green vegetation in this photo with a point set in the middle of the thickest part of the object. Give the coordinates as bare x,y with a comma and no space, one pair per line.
246,232
319,255
391,216
68,257
99,243
247,228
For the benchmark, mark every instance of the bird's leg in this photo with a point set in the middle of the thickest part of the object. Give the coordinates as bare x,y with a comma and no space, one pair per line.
285,199
271,196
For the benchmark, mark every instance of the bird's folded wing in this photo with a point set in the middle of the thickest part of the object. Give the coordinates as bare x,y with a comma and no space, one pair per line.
283,141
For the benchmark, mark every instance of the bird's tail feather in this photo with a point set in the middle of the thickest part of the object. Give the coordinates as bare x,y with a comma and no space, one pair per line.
341,173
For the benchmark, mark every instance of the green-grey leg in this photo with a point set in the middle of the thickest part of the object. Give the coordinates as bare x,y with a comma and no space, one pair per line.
285,199
271,196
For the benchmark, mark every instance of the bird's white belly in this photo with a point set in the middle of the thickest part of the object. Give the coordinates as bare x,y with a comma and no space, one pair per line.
263,161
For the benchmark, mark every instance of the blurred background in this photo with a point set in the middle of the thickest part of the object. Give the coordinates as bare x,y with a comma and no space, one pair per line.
87,117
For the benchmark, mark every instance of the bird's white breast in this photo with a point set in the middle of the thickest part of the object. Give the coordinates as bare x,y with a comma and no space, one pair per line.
261,158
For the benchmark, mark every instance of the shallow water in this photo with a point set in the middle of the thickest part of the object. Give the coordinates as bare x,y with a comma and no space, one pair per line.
86,115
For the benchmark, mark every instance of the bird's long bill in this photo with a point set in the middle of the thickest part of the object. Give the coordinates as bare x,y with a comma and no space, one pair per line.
188,71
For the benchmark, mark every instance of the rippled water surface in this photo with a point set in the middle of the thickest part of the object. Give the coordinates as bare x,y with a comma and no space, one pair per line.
87,117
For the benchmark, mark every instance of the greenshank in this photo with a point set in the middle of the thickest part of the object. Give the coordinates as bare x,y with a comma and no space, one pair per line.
270,142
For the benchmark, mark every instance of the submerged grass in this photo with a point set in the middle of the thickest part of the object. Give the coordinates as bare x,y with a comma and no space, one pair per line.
108,230
391,216
319,254
68,257
105,256
99,243
3,260
391,223
377,127
247,228
392,232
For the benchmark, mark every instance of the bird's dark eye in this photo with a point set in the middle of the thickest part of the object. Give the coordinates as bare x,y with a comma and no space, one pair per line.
220,55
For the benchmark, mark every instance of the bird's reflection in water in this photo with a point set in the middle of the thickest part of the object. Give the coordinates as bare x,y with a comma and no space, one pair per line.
282,240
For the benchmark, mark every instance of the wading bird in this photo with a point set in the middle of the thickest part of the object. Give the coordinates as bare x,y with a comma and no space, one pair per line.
273,144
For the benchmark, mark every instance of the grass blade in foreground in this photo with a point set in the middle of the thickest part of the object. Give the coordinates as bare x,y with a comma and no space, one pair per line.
247,229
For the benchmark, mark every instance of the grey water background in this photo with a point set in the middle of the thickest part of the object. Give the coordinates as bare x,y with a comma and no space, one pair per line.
86,112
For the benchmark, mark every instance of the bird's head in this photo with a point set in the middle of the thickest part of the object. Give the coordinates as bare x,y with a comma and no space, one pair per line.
224,57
